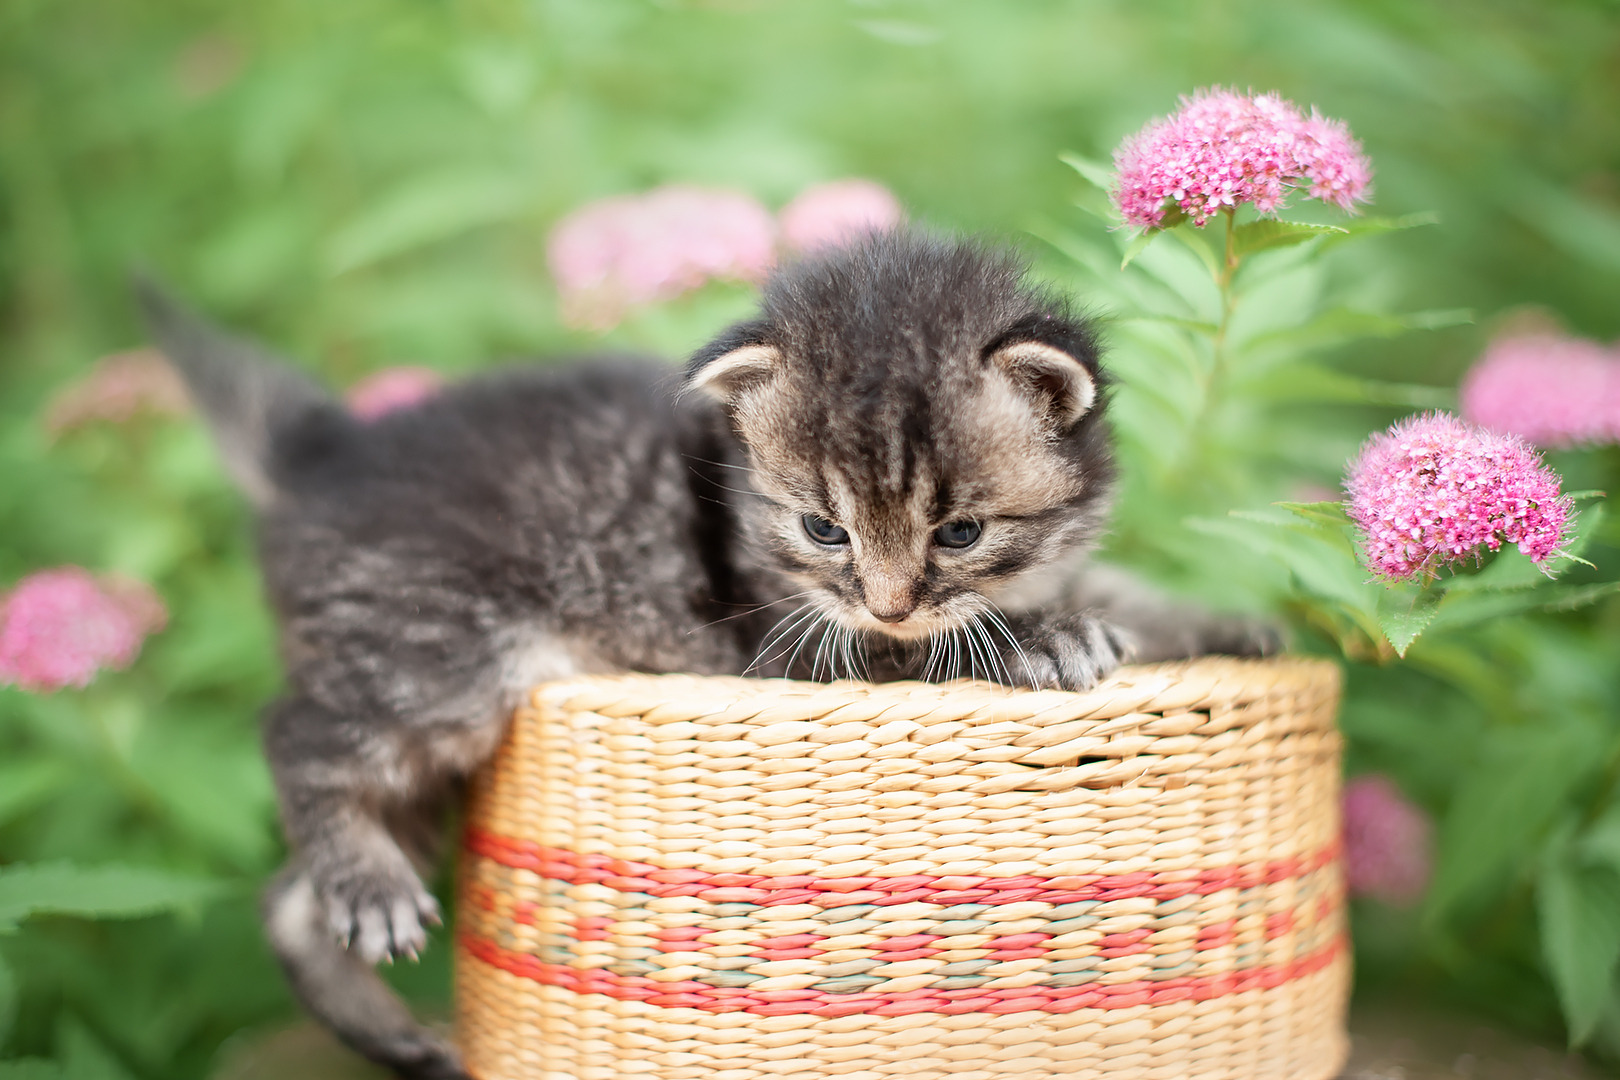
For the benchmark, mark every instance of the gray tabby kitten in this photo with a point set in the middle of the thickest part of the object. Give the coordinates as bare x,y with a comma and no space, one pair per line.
908,435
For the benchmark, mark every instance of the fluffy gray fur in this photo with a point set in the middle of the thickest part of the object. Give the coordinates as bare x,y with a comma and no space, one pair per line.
429,567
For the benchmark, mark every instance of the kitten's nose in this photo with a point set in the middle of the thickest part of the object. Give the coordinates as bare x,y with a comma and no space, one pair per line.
891,616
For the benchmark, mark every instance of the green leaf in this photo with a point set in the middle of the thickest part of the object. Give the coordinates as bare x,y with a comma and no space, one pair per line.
1355,228
23,784
1579,910
8,1000
1194,240
83,1055
424,210
1469,607
1403,618
1267,233
1340,326
1503,806
1511,569
1207,329
1094,172
1328,513
901,31
31,1069
1137,246
1304,382
1600,842
95,892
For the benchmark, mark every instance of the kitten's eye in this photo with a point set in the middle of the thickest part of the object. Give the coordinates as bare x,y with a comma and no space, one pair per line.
957,534
823,531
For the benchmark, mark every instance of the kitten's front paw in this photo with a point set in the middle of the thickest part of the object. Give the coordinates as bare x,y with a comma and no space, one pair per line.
377,908
1073,652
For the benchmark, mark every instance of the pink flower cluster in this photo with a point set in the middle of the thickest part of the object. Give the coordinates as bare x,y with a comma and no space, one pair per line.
826,215
117,390
619,253
392,389
1387,844
1551,389
1224,149
1434,489
59,627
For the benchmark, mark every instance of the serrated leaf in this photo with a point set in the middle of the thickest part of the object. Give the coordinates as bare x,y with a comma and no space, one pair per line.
424,210
96,892
1578,907
1513,570
1268,233
1462,608
1402,618
1094,172
1137,246
1357,227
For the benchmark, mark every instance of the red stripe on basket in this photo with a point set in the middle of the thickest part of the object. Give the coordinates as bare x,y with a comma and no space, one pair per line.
639,877
1055,999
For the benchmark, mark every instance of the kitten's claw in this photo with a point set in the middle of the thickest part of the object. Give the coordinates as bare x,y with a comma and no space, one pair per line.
379,915
1074,652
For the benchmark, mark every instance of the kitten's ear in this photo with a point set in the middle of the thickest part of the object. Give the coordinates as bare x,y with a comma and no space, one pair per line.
739,359
1060,383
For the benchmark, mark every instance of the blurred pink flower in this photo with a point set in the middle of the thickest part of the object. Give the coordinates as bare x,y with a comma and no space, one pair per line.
119,388
1434,489
392,388
1387,852
59,627
828,214
1223,149
617,253
1550,389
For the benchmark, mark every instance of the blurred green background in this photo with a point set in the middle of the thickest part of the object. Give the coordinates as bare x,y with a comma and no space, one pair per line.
369,184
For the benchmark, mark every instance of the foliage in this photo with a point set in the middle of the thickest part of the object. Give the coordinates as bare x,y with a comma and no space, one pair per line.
371,183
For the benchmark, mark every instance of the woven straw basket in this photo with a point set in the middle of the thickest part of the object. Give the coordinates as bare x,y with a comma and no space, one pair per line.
728,879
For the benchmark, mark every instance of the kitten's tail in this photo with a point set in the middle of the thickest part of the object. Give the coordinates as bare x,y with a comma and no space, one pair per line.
270,421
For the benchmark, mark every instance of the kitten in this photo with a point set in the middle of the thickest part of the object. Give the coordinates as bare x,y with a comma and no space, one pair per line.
842,486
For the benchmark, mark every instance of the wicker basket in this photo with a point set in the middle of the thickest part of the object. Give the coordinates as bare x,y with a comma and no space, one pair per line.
730,879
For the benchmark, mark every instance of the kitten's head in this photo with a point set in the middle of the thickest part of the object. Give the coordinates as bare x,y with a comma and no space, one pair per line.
923,427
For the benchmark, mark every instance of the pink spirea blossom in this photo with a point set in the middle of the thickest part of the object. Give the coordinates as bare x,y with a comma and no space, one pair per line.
621,252
1434,489
1551,389
392,389
118,389
1224,149
1387,841
59,627
825,215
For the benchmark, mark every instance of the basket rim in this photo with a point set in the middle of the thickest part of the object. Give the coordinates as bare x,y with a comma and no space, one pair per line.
1174,686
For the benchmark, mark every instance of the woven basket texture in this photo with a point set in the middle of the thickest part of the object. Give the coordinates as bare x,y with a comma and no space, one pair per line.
730,879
